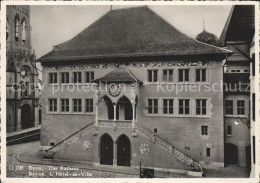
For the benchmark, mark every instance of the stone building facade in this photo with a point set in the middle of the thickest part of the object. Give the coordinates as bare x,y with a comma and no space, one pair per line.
114,97
22,94
237,35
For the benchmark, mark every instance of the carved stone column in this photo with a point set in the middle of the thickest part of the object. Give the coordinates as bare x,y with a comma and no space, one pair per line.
115,154
114,121
19,116
96,105
133,121
36,116
96,119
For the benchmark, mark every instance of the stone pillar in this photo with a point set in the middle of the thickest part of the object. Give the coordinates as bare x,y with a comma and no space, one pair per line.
96,96
19,116
114,104
114,121
36,116
96,119
133,121
242,154
134,134
115,154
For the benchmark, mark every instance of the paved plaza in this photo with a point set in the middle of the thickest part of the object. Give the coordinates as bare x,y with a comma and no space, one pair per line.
23,160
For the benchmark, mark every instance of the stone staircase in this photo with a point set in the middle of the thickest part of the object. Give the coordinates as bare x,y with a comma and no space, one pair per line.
69,140
189,162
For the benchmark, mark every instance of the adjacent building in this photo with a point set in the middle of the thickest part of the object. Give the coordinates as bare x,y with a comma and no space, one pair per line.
22,95
119,93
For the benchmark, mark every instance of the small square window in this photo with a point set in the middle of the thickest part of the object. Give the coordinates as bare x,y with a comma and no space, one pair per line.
52,144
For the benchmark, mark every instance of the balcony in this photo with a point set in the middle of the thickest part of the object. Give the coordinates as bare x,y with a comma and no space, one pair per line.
115,123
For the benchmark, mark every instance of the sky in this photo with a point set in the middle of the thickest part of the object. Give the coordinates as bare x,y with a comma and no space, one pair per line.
52,25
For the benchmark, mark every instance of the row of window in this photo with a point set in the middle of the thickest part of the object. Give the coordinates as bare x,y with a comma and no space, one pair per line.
184,106
204,130
167,76
230,107
65,105
183,75
65,77
238,70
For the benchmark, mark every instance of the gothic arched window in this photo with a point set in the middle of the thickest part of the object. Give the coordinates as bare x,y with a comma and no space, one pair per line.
23,30
16,28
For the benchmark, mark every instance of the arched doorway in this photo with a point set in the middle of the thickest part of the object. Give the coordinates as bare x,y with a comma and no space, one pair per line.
231,154
106,150
123,151
26,116
124,109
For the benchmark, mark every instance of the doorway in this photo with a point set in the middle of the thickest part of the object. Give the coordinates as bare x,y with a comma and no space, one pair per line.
123,151
106,150
231,154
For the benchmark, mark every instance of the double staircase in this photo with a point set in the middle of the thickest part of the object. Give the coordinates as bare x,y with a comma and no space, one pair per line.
189,162
69,140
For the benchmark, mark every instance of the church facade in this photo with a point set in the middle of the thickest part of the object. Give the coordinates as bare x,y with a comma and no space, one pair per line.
22,94
132,89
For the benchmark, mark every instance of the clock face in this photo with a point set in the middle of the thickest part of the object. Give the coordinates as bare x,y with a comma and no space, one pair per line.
23,72
114,90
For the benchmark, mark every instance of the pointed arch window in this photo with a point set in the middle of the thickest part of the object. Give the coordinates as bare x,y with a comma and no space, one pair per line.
23,30
16,28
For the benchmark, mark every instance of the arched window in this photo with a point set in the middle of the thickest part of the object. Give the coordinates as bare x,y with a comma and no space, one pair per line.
16,28
7,28
23,30
229,129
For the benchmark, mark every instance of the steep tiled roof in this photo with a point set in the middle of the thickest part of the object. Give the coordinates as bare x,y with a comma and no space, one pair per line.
240,24
118,75
129,33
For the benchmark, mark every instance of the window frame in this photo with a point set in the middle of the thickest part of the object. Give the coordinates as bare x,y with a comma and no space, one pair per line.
208,153
153,77
169,108
240,108
90,106
184,106
76,77
65,105
229,107
168,75
152,106
204,130
229,130
77,105
53,104
183,75
200,79
89,75
201,107
51,78
65,76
